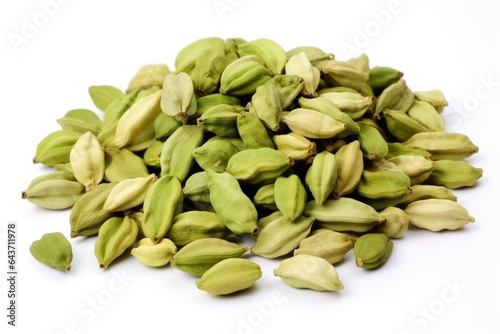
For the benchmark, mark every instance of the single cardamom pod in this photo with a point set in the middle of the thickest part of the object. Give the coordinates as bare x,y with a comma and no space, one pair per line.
178,98
53,250
221,120
322,176
281,236
434,97
103,95
455,174
327,244
177,155
443,145
295,146
437,214
384,184
193,225
115,235
305,271
163,201
313,124
290,196
55,191
350,168
229,276
316,56
200,255
234,208
135,129
372,249
300,65
288,86
372,143
266,104
343,215
129,193
258,165
55,148
81,120
87,160
154,254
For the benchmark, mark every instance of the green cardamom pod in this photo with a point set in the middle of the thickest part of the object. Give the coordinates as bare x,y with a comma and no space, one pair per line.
290,196
81,120
87,160
177,155
148,76
55,148
229,276
115,235
53,250
281,236
322,176
200,255
326,244
258,165
443,145
372,250
343,215
232,205
305,271
123,164
103,95
154,254
129,193
193,225
163,201
455,174
438,214
56,190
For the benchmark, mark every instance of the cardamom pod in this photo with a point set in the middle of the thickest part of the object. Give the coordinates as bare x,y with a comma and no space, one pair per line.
305,271
200,255
53,250
229,276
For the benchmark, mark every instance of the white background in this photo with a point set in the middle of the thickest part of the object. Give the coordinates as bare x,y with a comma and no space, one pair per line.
451,46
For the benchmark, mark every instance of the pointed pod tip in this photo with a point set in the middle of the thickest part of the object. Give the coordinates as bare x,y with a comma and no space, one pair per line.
73,234
67,268
24,195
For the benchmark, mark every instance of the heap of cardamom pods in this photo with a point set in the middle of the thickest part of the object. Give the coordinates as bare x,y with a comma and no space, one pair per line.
310,156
